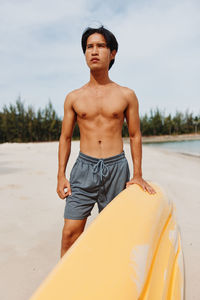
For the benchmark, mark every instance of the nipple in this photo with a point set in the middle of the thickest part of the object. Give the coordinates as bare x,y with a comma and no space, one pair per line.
84,115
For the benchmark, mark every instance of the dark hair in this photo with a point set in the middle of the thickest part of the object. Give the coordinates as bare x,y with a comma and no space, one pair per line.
111,41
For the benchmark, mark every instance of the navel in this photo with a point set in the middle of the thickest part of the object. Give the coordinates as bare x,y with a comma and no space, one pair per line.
99,142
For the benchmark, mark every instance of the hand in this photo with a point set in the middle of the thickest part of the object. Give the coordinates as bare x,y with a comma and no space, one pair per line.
62,184
141,182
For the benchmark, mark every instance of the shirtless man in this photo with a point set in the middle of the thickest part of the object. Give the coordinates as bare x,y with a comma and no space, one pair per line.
99,107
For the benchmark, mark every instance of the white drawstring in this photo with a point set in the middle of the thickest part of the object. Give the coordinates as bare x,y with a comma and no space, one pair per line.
102,168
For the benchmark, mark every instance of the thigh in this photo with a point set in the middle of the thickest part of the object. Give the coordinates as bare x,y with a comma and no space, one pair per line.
120,174
84,192
78,207
115,182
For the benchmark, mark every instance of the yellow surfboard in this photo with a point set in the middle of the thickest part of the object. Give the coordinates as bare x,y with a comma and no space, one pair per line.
132,250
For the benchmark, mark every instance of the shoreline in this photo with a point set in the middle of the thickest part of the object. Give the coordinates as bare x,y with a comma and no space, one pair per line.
151,140
145,139
170,138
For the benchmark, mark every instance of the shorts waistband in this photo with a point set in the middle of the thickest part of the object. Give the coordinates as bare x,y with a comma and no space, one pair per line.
106,160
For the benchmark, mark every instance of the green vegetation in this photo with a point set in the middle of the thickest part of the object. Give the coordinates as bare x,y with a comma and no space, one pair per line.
20,124
160,124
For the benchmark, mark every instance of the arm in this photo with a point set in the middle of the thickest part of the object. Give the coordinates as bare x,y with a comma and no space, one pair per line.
133,122
65,146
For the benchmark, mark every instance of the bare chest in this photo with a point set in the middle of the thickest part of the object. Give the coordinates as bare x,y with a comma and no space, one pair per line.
107,107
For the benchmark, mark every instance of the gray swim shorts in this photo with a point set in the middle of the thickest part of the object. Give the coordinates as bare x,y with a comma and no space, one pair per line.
95,180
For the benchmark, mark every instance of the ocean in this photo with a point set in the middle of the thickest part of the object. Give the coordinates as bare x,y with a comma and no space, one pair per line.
191,147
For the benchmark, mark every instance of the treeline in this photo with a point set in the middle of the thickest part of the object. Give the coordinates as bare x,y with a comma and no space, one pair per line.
157,123
21,124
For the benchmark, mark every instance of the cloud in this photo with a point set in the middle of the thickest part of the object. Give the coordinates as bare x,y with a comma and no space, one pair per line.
41,56
158,53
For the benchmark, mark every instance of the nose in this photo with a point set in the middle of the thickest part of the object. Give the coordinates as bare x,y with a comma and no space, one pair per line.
95,50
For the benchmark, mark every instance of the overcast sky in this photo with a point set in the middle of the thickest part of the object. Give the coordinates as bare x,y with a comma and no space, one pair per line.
158,57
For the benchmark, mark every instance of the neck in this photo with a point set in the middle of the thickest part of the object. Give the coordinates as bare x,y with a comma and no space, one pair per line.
99,77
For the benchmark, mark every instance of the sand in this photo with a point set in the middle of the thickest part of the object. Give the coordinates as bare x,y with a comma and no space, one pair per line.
32,214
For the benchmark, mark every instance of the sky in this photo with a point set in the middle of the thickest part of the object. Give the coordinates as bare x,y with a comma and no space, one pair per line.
158,57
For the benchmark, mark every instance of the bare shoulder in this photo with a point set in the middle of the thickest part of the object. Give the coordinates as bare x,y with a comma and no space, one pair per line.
72,96
129,95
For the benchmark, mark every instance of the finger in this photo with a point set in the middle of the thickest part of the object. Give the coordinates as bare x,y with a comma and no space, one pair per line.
144,188
130,182
62,194
128,185
147,188
69,188
69,191
59,194
151,190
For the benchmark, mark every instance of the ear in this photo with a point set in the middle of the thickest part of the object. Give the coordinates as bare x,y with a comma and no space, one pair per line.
112,54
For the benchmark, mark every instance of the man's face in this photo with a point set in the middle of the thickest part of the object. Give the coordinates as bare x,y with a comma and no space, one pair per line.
97,55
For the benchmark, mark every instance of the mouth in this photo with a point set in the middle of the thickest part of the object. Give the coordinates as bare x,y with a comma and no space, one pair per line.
94,59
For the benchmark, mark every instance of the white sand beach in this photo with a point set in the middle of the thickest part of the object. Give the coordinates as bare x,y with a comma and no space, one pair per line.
32,214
